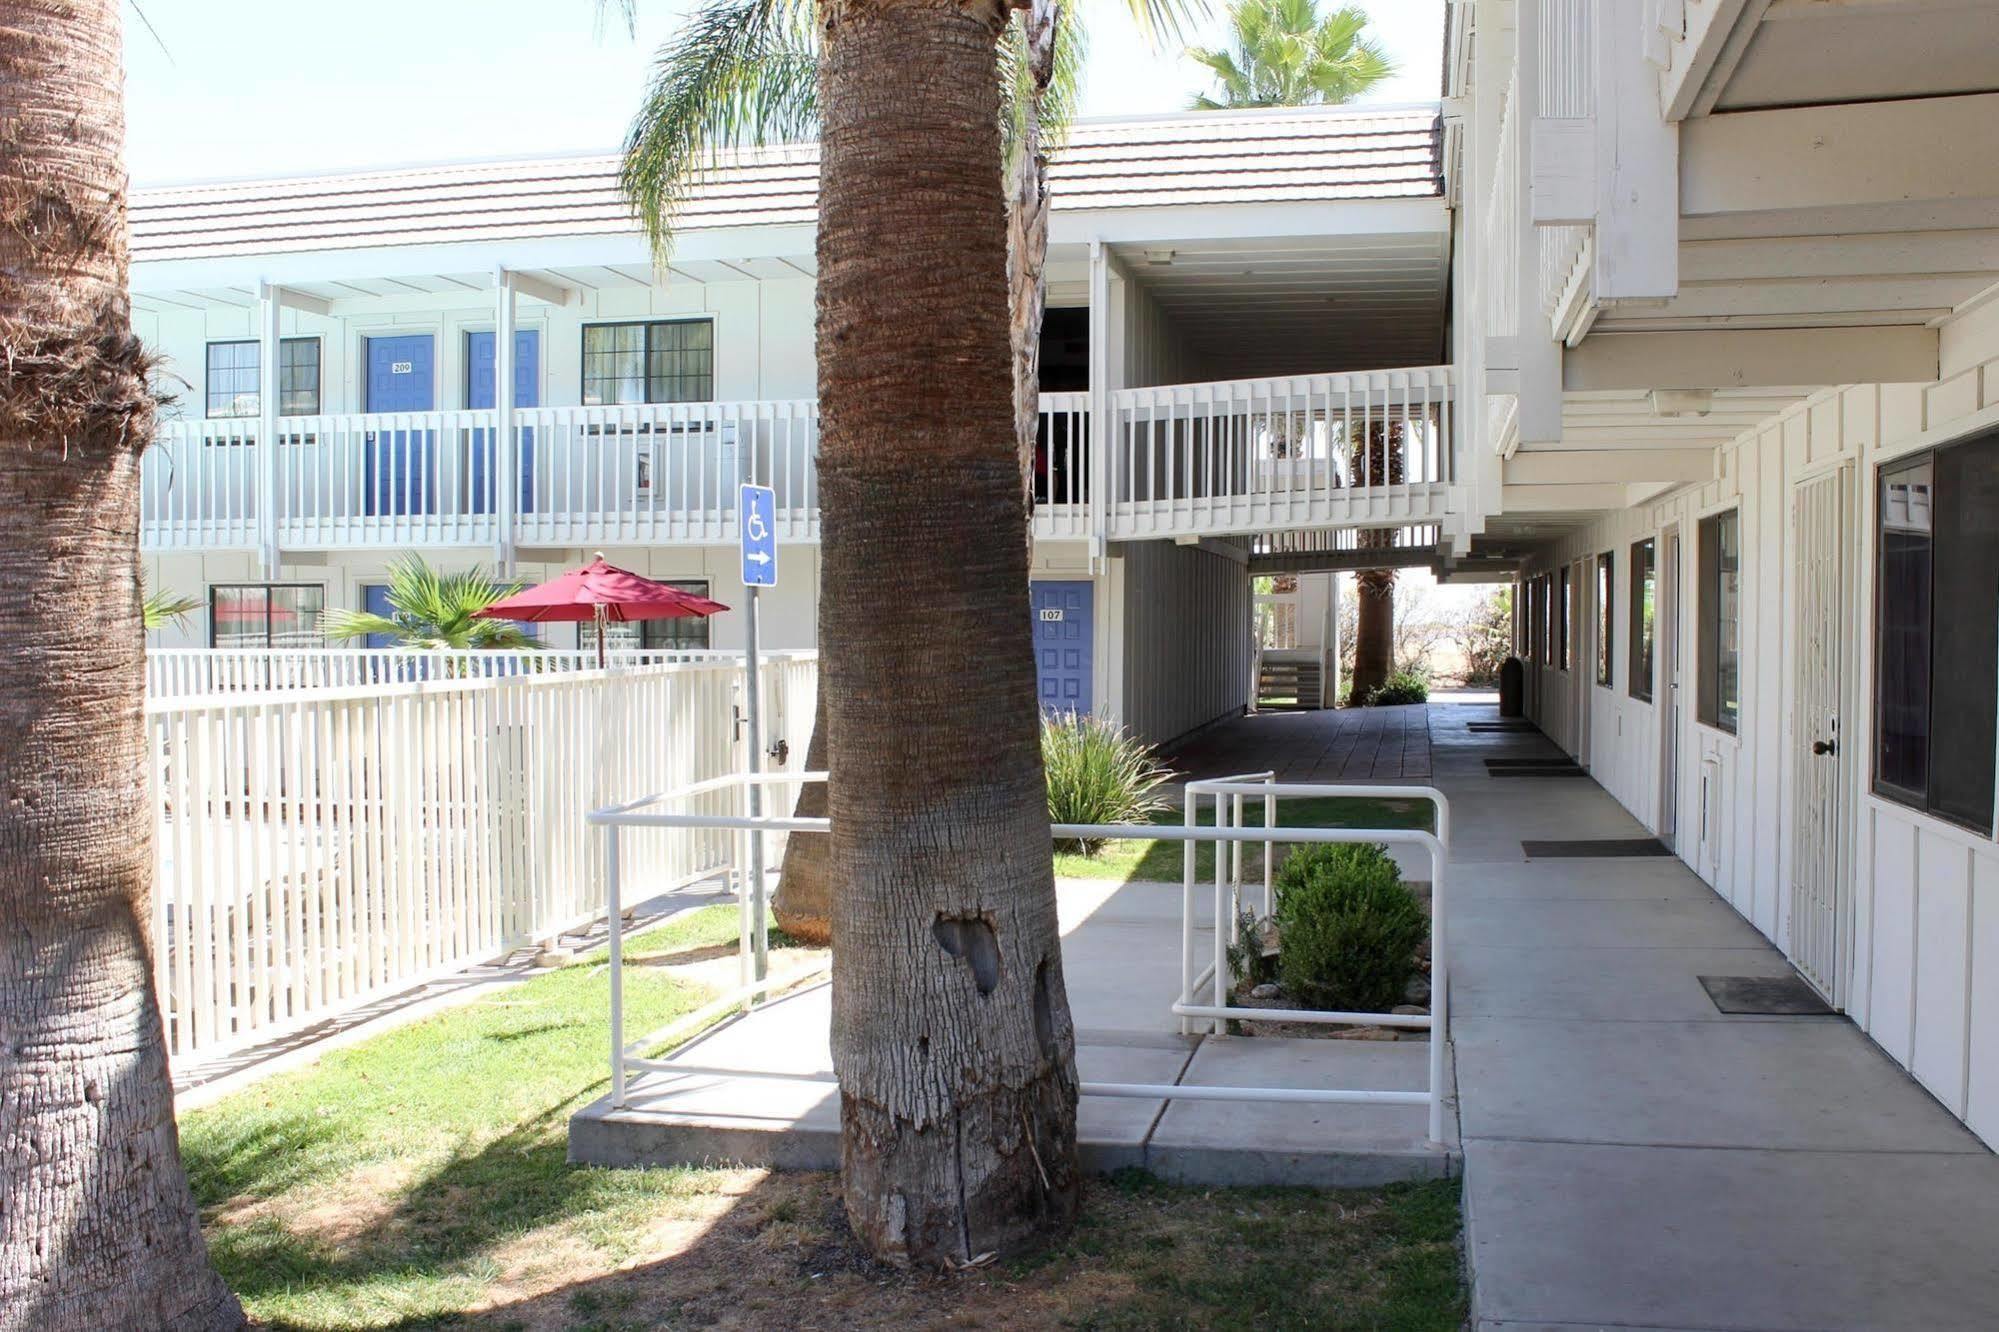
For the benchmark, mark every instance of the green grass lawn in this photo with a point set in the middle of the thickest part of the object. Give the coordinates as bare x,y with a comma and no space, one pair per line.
418,1179
1163,861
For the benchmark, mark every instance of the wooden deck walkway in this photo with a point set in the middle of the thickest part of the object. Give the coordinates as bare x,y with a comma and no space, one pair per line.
1347,745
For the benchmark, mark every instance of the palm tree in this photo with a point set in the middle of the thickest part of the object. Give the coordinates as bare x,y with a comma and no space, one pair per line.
98,1228
431,610
944,928
1286,55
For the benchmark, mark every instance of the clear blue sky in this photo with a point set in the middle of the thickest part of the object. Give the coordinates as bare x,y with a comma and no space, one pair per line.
263,87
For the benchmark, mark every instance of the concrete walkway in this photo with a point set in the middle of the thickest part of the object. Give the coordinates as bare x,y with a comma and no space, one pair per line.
1636,1159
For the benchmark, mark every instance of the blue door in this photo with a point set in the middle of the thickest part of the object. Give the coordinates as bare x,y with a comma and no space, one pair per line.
399,467
375,600
1063,614
479,396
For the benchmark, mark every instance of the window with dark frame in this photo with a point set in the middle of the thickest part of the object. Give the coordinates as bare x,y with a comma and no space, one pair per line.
1644,598
1937,605
265,615
686,633
661,361
1720,685
1606,623
1563,604
234,381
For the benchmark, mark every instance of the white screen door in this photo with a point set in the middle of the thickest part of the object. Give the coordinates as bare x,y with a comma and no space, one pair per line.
1818,756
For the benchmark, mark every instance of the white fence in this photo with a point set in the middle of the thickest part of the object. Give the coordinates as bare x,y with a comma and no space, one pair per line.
193,672
318,849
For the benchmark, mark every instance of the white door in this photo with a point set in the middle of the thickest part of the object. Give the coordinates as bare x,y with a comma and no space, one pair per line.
1666,621
1817,757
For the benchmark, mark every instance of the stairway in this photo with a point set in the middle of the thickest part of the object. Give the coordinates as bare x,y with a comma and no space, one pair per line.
1283,685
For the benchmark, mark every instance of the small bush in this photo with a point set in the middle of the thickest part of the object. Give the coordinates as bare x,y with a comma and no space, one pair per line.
1401,687
1347,928
1098,773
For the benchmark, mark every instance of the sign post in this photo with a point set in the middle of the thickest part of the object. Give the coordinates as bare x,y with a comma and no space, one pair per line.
756,520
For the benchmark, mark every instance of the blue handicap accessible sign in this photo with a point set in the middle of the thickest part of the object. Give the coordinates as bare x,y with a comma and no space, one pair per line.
757,509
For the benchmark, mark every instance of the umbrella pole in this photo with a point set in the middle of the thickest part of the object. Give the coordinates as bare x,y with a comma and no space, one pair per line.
599,617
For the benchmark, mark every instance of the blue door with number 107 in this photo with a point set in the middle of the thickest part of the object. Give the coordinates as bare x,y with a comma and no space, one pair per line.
399,467
1063,662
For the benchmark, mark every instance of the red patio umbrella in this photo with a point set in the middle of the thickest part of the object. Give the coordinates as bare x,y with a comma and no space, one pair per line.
602,592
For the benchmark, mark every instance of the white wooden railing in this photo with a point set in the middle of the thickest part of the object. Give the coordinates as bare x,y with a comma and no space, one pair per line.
193,672
1189,457
1247,456
320,849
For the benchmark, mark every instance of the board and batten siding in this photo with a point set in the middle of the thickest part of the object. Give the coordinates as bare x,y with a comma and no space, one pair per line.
1184,651
1921,975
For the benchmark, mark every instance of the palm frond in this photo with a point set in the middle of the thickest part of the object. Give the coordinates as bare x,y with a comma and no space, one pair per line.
1285,54
738,73
429,609
160,609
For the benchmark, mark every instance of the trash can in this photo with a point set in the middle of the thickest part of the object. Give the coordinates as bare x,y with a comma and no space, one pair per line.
1512,688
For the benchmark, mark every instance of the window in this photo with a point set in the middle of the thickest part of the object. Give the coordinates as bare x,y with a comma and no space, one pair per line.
1564,600
669,361
1644,597
1605,622
233,378
1721,621
684,634
1937,632
260,615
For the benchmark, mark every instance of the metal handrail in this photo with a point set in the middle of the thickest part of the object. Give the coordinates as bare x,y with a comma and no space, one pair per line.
641,813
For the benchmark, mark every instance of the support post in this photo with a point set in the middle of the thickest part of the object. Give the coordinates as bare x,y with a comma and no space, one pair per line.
1102,442
1540,399
505,456
614,938
268,309
759,926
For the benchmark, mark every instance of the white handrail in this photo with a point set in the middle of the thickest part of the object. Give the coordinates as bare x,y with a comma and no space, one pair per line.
640,813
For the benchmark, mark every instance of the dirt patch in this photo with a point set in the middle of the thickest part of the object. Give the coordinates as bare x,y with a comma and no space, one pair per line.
1146,1255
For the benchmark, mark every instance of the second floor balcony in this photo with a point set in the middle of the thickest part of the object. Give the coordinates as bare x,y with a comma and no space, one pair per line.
1185,461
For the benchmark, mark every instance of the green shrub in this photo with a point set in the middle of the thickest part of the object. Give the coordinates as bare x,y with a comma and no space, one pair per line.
1098,773
1401,687
1347,928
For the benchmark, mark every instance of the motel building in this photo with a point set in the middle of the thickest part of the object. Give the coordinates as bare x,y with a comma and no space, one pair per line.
482,363
1681,315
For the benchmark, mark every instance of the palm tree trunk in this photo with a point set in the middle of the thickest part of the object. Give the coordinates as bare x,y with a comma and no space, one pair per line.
97,1225
951,1029
802,904
1374,630
1378,461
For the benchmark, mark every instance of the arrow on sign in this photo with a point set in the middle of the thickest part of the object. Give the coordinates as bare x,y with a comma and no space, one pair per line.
757,557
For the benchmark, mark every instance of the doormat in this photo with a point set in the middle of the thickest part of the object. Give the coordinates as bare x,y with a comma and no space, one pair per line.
1516,728
1546,761
1767,996
1595,848
1570,770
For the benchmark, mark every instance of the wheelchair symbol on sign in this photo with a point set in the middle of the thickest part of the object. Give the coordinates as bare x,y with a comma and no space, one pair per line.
754,527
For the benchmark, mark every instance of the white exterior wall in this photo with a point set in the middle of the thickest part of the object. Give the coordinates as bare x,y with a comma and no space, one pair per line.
1923,978
788,614
763,338
1184,648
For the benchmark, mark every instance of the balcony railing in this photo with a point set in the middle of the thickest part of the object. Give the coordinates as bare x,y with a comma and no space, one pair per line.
1240,456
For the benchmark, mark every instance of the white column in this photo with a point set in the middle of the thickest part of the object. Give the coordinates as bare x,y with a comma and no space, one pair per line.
506,459
268,307
1540,420
1102,441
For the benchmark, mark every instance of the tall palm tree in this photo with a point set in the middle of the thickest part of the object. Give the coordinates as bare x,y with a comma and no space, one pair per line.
98,1228
428,609
951,1030
1285,54
943,911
